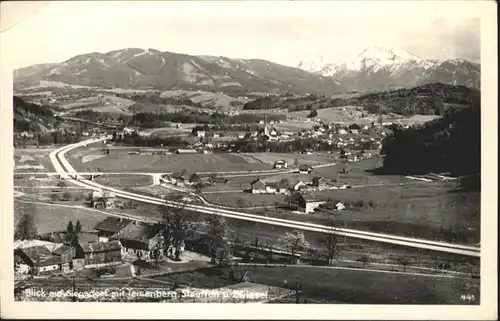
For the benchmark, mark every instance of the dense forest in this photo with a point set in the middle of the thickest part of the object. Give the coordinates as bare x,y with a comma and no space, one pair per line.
31,117
448,144
154,120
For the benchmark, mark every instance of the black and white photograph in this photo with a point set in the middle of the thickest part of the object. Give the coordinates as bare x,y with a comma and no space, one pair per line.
288,153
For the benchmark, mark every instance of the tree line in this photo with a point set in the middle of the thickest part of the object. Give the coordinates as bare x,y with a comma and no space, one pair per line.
451,144
429,99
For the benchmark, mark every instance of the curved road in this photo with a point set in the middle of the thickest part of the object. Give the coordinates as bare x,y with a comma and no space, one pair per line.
62,166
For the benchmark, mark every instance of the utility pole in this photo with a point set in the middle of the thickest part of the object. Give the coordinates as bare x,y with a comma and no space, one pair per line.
74,289
297,291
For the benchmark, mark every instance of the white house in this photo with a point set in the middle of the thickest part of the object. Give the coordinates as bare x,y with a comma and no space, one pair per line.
271,188
339,206
307,204
200,133
298,185
280,164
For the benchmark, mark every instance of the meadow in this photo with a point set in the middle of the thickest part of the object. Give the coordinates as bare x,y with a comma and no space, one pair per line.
328,285
50,218
121,161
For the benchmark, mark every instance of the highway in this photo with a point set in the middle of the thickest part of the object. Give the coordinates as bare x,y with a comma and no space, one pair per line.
62,166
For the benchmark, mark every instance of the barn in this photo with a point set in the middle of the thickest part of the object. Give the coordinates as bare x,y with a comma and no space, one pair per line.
139,238
307,203
39,259
99,254
109,226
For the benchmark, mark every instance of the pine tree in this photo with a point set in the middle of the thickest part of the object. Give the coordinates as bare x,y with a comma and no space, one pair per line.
78,227
26,228
69,229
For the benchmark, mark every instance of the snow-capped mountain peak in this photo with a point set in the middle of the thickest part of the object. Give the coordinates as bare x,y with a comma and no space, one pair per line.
376,66
378,57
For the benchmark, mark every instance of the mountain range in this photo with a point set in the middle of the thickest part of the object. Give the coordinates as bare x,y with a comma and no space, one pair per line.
133,68
378,68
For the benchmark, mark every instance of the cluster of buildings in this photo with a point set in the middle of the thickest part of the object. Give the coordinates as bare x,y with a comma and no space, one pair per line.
113,239
102,199
182,179
317,183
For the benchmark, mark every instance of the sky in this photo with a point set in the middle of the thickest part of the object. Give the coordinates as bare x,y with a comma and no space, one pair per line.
285,32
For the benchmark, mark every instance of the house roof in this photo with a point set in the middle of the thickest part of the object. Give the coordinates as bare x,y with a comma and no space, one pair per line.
316,179
100,247
112,224
256,181
60,250
41,256
31,243
140,232
304,167
272,185
84,237
312,198
280,162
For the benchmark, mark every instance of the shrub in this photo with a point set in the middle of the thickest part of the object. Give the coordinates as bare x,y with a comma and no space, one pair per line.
313,114
66,196
359,204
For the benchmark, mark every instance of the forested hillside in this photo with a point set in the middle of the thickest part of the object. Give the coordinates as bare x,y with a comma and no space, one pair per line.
31,117
431,99
448,144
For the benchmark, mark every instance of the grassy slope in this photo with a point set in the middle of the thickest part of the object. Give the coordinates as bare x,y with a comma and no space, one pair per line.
343,286
53,218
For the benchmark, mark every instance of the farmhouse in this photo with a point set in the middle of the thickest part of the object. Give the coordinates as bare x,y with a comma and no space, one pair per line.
280,164
139,238
258,186
340,206
305,169
129,131
271,188
102,254
200,133
102,199
307,203
66,254
39,259
319,182
109,226
299,185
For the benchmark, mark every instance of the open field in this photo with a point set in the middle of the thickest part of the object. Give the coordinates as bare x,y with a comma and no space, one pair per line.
291,125
207,99
244,199
168,132
55,218
366,287
290,158
343,115
32,159
359,115
120,160
124,181
327,285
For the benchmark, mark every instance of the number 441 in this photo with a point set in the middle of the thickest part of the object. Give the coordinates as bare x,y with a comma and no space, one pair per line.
467,297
